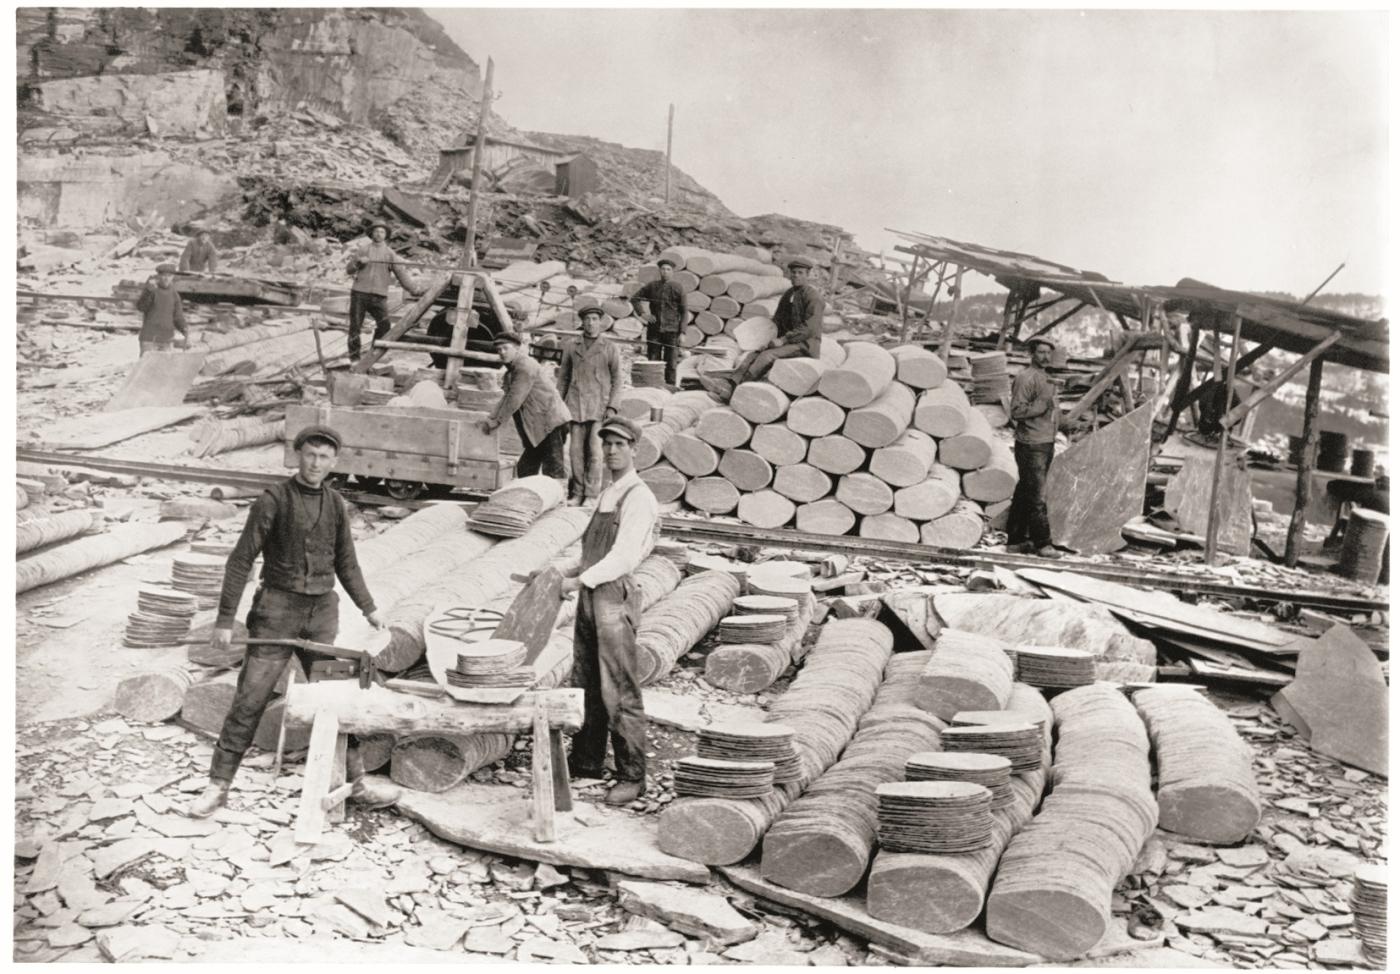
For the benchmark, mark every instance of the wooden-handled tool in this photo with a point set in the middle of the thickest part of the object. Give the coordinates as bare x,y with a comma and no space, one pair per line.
363,660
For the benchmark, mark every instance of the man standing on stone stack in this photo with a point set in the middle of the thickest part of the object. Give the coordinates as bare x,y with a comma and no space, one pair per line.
619,537
664,317
541,418
590,381
1036,417
301,528
799,321
370,292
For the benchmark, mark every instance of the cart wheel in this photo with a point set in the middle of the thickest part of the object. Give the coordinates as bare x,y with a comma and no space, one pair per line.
337,481
402,490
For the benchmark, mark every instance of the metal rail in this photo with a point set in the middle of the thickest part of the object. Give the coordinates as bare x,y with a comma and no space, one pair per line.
688,529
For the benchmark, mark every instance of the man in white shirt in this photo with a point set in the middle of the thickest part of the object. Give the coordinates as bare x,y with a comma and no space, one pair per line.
619,537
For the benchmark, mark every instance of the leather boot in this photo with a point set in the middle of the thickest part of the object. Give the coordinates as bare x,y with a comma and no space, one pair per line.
624,792
210,800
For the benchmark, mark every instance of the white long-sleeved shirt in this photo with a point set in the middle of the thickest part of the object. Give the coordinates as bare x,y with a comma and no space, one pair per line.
637,529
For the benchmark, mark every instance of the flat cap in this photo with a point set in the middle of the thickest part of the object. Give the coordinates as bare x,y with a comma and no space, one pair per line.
1032,343
667,261
165,268
506,338
378,223
800,261
620,426
317,433
589,307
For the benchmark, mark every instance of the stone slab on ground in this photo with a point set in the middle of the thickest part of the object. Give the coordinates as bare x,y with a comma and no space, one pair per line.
496,818
326,950
690,714
1338,700
1095,486
690,911
966,948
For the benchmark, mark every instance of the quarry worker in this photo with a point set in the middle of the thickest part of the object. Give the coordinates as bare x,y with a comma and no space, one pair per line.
162,313
1036,418
619,537
541,418
799,321
370,292
301,528
199,255
443,322
590,382
665,315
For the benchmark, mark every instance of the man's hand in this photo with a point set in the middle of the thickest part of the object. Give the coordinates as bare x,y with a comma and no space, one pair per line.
375,619
221,638
570,586
777,341
489,425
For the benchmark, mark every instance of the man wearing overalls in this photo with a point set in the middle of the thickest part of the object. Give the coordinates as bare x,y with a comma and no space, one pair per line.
618,538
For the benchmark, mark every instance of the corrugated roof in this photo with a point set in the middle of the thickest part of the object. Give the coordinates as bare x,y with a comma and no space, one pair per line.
1289,325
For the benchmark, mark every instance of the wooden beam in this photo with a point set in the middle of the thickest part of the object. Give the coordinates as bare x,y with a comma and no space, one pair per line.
1188,371
670,125
378,710
951,326
1109,374
904,304
451,354
1068,314
1274,384
542,777
318,773
460,326
436,285
1302,494
1213,520
478,150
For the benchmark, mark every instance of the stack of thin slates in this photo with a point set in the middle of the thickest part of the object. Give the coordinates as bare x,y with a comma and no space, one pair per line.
680,620
221,436
822,843
752,667
83,554
833,690
40,531
1206,788
966,672
510,510
1054,886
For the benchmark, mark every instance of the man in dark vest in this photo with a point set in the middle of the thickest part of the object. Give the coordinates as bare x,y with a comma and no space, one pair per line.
799,322
664,316
301,527
619,537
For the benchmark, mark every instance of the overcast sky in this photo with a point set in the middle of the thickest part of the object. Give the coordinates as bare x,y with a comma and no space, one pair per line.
1245,149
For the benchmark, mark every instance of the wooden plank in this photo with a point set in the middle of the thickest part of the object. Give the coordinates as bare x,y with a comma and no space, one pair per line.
377,711
1223,447
317,776
436,285
411,432
335,811
563,797
1303,490
542,777
157,379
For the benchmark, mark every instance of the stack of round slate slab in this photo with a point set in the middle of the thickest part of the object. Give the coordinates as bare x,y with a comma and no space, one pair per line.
1001,718
647,374
219,549
1019,743
1054,667
752,628
778,585
674,552
162,618
967,671
935,817
990,381
201,575
991,771
680,620
712,778
1368,902
490,662
509,512
752,741
1205,771
767,605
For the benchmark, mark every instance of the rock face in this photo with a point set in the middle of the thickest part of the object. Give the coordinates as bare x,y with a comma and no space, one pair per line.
178,103
93,189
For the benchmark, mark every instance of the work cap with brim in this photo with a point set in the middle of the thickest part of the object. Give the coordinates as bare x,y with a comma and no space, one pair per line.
621,426
665,262
506,338
165,269
1041,341
591,309
379,223
317,433
801,262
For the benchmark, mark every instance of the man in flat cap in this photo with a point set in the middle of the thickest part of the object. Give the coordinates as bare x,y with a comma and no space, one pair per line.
1035,415
590,381
301,528
799,321
162,312
665,315
541,418
619,537
199,255
370,266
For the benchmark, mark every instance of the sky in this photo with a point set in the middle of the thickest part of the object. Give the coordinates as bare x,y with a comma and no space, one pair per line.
1247,149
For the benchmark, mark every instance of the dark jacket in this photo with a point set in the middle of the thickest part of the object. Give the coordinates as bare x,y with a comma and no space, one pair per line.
199,258
667,302
163,313
1033,409
590,378
533,401
298,555
799,318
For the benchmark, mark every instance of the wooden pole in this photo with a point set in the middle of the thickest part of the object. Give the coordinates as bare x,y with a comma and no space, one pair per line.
1213,521
1274,384
1302,495
951,326
908,293
478,150
1327,281
670,123
1188,374
835,265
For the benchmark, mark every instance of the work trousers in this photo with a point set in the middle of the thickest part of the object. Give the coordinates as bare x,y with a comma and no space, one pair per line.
605,668
546,457
664,346
275,614
760,362
156,347
1029,518
585,459
361,304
